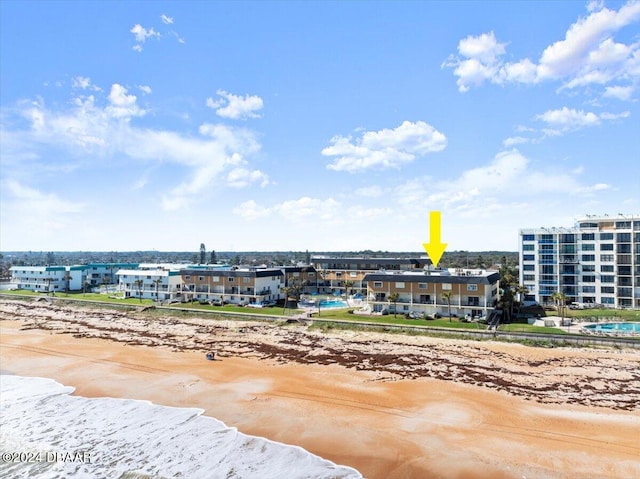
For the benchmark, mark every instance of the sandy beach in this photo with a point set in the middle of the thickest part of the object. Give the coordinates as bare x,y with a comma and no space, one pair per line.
391,406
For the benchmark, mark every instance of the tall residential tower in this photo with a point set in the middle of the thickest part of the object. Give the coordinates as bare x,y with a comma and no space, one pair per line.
595,262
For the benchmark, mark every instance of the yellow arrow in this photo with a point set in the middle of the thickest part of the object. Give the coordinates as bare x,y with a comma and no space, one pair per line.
434,248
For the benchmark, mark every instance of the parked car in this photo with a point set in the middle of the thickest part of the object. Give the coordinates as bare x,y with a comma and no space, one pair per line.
414,315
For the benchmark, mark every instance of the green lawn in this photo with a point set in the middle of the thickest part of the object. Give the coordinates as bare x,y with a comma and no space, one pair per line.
621,314
345,315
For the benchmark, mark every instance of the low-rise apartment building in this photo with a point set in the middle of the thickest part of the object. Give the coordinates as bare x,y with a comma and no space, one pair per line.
156,284
235,285
47,279
473,292
346,275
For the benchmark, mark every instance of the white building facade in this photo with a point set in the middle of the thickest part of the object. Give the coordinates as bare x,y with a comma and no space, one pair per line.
597,262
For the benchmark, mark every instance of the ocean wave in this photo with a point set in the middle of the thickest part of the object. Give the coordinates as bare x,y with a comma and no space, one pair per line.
49,433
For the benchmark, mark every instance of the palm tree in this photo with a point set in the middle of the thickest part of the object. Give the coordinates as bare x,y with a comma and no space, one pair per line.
48,281
139,283
157,282
393,298
67,277
105,283
560,299
521,291
85,285
447,297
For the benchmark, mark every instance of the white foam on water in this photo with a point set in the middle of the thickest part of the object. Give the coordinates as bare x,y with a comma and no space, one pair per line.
132,439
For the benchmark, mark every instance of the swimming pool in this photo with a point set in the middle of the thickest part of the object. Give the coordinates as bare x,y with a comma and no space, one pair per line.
333,303
323,304
623,328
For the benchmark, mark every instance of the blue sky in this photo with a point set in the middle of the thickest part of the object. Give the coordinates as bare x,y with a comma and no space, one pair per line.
324,126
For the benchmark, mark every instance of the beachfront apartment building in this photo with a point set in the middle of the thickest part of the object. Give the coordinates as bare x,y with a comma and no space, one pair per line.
346,275
473,291
243,286
597,261
159,284
47,279
102,274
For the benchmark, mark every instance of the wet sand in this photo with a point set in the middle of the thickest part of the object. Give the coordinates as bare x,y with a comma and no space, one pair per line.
391,406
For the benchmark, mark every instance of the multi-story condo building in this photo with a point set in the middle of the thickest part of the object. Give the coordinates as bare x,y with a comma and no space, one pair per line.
346,275
246,286
595,262
47,279
160,284
97,274
474,292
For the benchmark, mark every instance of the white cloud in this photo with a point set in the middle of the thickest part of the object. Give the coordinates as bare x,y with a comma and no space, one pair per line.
104,128
28,209
619,92
568,119
83,83
250,210
301,209
242,177
141,34
145,89
166,20
123,105
587,55
515,140
385,148
235,106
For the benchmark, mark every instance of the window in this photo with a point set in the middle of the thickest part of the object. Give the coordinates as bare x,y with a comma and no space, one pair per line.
608,300
589,268
528,247
246,280
399,285
588,279
377,284
589,247
529,267
528,257
338,274
606,257
216,278
623,224
528,237
296,274
588,289
422,285
624,248
606,268
446,286
607,279
529,277
231,280
588,257
472,287
353,274
607,289
588,236
200,278
187,278
606,247
606,236
623,237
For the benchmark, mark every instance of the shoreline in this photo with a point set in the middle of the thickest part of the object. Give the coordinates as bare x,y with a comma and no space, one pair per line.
382,422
